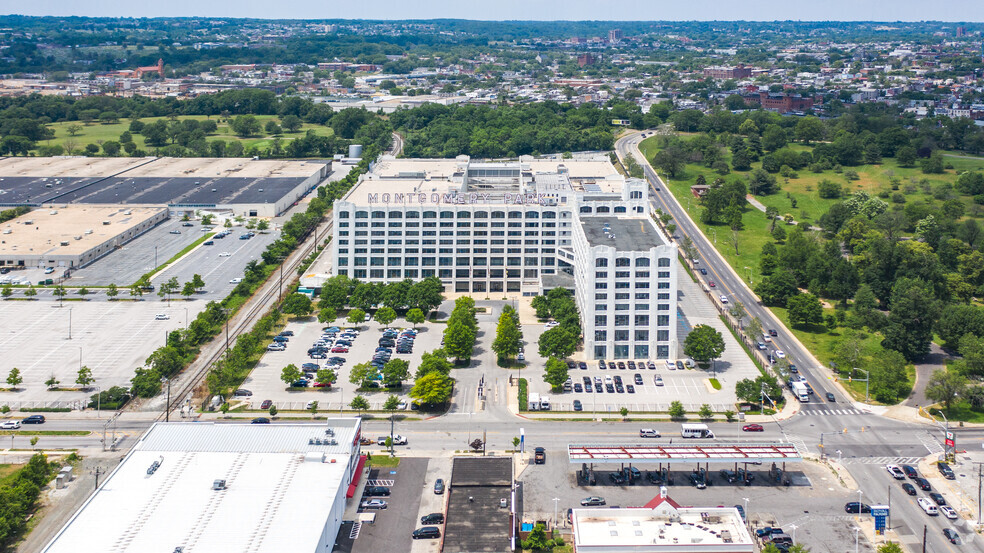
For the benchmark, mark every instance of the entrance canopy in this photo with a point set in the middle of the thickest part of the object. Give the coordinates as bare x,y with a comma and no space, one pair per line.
771,452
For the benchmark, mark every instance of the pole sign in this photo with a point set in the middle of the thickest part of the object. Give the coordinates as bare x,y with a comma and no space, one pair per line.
880,512
522,440
950,439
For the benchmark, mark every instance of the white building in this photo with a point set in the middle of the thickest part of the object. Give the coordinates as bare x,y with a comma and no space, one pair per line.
661,526
188,487
522,228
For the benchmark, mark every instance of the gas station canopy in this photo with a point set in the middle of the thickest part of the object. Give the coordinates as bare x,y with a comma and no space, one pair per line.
772,452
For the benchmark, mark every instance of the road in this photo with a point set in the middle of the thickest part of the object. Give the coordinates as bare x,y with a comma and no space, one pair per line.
397,148
728,282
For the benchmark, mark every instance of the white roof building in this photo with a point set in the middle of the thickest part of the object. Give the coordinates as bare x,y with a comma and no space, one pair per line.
661,526
236,488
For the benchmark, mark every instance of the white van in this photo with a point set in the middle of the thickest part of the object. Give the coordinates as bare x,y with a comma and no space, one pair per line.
928,506
648,433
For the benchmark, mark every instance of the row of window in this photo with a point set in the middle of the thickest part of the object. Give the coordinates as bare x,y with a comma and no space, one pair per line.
623,274
606,209
451,215
638,296
626,262
452,233
621,351
640,320
638,335
493,285
359,261
459,224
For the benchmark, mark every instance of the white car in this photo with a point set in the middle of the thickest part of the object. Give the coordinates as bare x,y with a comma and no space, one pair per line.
724,299
780,354
648,433
10,425
161,317
670,365
896,472
928,506
551,324
236,280
224,254
766,338
397,440
276,346
948,512
49,270
373,504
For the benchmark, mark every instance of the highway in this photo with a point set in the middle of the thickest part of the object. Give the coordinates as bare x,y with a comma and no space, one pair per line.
731,285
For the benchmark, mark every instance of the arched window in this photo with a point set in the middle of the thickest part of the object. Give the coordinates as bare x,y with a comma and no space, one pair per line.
585,209
481,214
430,215
532,215
601,262
378,214
395,215
623,262
602,209
361,214
620,209
642,262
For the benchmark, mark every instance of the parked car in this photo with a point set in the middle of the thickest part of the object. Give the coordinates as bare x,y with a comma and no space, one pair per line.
34,419
266,404
592,501
276,346
439,486
427,533
896,472
242,392
10,425
938,498
856,507
948,512
945,470
909,488
767,531
923,484
433,518
928,507
377,491
373,504
910,471
577,403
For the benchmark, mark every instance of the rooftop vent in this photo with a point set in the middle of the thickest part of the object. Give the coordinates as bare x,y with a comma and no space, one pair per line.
154,466
106,222
219,485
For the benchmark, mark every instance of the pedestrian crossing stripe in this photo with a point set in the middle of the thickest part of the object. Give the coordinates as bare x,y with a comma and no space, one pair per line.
828,412
379,482
881,460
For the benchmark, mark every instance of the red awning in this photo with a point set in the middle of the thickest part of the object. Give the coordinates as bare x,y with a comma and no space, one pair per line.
358,475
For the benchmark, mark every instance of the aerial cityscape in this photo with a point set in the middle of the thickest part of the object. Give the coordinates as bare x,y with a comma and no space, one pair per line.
475,279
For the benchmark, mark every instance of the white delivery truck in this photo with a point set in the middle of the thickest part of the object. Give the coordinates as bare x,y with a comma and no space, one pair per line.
544,403
801,392
695,431
533,401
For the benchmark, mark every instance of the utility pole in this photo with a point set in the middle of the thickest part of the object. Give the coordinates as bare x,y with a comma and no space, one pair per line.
924,539
392,451
97,472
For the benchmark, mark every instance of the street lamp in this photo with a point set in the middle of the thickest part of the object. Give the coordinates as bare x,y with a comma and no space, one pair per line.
69,323
856,531
750,282
98,401
167,406
748,515
555,500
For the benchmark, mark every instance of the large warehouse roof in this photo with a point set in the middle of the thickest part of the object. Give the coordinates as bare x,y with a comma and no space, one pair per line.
278,490
68,230
698,453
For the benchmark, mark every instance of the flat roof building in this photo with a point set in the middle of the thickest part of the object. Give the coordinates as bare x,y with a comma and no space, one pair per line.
519,227
203,486
248,187
661,526
476,520
72,236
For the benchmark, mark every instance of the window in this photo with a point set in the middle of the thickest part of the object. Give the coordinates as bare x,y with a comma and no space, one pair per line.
642,320
642,274
642,307
641,352
498,214
643,296
585,209
532,215
662,352
447,215
622,274
642,285
600,352
601,307
395,215
662,320
623,284
413,215
622,352
601,335
619,209
430,215
621,296
481,214
621,320
635,195
515,214
602,209
663,262
621,307
601,320
663,274
621,335
601,285
601,274
642,262
601,262
361,214
623,262
658,296
464,215
343,214
601,296
378,214
663,307
641,335
662,335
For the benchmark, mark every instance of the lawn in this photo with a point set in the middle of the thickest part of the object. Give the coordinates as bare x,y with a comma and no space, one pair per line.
7,470
99,132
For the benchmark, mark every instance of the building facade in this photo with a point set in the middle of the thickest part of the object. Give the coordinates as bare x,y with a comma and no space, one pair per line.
522,228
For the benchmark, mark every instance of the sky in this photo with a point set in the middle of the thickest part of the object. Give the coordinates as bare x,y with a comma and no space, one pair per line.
634,10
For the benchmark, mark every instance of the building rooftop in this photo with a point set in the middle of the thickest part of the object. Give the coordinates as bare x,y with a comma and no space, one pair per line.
661,525
632,234
68,230
277,498
476,522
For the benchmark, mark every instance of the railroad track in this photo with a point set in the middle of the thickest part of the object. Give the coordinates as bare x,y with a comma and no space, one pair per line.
190,378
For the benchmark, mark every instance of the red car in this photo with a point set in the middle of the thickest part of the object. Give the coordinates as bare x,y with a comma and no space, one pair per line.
266,404
711,283
339,349
322,384
753,428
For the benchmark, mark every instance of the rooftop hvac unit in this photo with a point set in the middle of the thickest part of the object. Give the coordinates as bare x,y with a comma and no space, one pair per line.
7,231
29,222
53,212
106,222
127,212
219,485
64,242
88,231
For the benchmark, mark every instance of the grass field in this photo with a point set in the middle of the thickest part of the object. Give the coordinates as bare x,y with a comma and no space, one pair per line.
7,470
98,132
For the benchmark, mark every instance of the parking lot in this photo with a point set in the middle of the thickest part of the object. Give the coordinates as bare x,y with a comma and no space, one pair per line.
394,525
816,509
112,338
264,381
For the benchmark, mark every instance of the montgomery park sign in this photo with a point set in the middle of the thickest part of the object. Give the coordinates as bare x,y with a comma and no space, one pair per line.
461,199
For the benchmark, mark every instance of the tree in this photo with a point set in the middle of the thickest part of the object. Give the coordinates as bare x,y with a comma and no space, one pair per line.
313,407
245,125
52,382
84,377
777,288
888,379
361,374
804,309
112,291
508,336
946,387
676,410
810,129
30,292
747,390
432,389
555,373
906,156
290,374
325,376
360,403
890,547
327,315
273,410
291,122
272,127
168,288
74,129
754,328
705,412
537,540
262,225
434,362
298,305
60,293
415,317
356,316
14,378
911,317
703,344
395,371
391,403
385,316
559,341
459,340
188,290
542,306
197,281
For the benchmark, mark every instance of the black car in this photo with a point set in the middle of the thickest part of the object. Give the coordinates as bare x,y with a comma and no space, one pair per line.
571,364
638,379
909,488
856,507
33,419
577,405
632,365
923,484
439,486
582,365
602,365
427,533
598,387
945,470
609,388
577,387
260,420
336,360
433,518
910,472
831,398
611,365
630,388
618,380
938,498
951,535
621,365
287,333
703,271
376,491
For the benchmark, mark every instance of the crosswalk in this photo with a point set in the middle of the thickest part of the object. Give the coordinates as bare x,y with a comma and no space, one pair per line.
829,412
379,482
881,460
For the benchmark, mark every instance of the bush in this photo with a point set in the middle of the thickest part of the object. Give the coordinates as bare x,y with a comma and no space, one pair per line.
111,399
677,411
523,395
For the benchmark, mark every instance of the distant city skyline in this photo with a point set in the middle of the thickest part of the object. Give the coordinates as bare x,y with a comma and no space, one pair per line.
526,10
